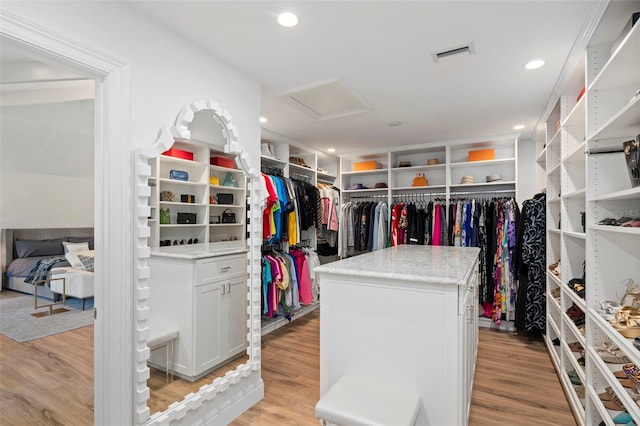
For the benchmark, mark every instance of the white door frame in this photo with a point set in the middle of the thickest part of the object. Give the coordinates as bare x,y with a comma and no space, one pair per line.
113,340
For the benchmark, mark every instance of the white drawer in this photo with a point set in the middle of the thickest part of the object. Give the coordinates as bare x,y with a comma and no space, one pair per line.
220,268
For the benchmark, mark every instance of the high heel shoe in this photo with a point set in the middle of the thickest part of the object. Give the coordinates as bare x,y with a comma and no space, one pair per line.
627,322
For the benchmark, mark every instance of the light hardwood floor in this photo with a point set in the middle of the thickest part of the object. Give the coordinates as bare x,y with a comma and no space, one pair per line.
49,381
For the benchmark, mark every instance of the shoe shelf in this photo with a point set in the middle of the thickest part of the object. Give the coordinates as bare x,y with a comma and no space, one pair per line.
577,155
579,301
578,235
580,193
273,161
621,124
624,194
542,157
616,229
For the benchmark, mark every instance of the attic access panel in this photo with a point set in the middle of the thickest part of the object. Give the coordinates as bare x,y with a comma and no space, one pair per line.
325,101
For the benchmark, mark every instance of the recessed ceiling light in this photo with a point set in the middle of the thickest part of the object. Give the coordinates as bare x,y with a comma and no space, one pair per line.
395,123
331,150
287,19
518,127
263,120
534,64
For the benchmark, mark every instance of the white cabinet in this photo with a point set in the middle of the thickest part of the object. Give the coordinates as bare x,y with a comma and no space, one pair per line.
581,178
198,195
406,315
204,296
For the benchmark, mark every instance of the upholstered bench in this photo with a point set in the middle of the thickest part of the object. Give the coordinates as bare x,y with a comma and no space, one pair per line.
362,400
164,338
78,283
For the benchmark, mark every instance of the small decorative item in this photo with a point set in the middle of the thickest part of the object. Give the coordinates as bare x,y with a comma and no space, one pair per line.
420,180
212,199
213,180
178,175
167,196
165,216
214,220
404,164
228,216
432,161
229,180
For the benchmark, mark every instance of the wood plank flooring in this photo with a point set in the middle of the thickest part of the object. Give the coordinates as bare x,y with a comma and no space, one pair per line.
49,381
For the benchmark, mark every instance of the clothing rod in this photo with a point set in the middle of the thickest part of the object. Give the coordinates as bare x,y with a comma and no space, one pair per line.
452,194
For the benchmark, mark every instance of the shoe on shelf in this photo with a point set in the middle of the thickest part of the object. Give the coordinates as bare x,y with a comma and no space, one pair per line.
610,353
627,322
555,268
610,400
622,418
573,376
632,372
576,347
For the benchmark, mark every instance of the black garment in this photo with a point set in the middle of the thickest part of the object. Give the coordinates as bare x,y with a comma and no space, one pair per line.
412,229
372,216
530,300
422,216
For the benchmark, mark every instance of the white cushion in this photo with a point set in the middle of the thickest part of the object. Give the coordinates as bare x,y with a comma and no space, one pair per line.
74,260
363,400
79,284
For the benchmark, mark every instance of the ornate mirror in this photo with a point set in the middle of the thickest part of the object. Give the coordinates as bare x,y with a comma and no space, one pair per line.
233,387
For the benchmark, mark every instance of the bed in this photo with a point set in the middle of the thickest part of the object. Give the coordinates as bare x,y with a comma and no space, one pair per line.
24,248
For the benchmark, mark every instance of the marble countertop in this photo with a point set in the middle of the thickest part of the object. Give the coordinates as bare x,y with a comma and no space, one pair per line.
427,264
200,251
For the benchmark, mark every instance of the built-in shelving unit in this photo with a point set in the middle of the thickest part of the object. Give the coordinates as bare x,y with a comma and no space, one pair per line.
443,164
583,188
208,225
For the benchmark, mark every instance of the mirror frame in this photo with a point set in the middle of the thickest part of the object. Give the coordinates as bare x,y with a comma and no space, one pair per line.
207,394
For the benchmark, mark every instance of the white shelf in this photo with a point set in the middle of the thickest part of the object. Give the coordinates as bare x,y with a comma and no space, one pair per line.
483,184
616,229
270,325
577,154
581,193
326,176
227,206
579,235
622,124
177,203
225,224
467,164
182,225
626,194
555,139
419,168
418,188
273,160
555,169
542,157
577,117
365,172
176,160
180,182
224,169
619,70
356,191
227,188
299,168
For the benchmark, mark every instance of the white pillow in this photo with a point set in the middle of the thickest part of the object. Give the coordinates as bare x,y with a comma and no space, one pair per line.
72,258
70,247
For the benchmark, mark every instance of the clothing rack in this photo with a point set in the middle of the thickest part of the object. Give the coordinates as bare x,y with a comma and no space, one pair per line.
273,171
299,176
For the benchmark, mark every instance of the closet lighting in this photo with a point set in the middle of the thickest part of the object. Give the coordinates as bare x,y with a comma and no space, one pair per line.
287,19
331,150
263,120
534,64
518,127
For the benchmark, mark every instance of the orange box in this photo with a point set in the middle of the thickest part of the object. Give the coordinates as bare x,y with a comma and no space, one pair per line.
482,154
179,153
222,162
366,165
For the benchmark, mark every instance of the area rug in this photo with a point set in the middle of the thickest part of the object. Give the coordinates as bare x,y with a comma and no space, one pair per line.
17,323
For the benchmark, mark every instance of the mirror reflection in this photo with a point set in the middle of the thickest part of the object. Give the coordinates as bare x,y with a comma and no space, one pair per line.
198,282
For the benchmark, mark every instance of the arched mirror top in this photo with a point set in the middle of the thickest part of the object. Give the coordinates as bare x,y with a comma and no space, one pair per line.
207,123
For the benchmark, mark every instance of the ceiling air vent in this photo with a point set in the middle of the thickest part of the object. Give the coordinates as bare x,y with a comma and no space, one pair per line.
326,100
454,52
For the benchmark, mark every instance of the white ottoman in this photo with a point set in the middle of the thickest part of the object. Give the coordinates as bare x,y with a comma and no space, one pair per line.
362,400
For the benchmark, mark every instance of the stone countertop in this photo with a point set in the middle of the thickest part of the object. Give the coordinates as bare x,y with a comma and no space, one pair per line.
201,251
427,264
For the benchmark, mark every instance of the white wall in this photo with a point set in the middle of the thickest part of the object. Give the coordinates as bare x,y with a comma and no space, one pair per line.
527,180
46,165
164,73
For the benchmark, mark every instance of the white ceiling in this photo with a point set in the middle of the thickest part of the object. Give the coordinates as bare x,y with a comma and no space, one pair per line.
381,51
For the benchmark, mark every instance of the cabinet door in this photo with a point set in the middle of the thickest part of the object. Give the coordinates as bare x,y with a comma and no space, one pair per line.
234,325
208,320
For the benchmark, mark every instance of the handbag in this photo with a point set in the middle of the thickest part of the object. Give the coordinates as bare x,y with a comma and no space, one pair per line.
167,196
178,175
632,157
213,180
165,216
186,218
225,198
228,216
420,180
229,180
